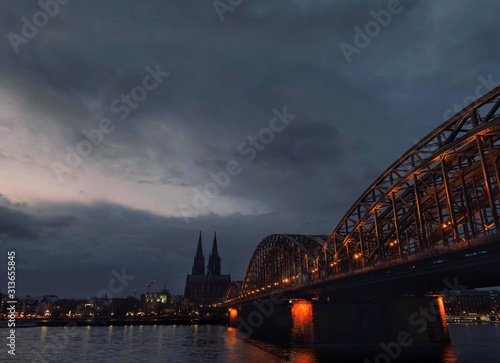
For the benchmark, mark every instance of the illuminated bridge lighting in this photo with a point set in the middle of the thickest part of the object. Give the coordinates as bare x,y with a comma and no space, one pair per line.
440,196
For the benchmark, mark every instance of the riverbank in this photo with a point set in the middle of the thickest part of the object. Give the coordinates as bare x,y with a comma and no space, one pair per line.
472,319
25,323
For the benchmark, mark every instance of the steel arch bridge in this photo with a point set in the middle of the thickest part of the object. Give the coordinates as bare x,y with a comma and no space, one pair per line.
280,261
442,195
233,291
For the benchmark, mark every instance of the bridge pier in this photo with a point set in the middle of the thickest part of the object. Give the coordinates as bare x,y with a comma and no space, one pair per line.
401,320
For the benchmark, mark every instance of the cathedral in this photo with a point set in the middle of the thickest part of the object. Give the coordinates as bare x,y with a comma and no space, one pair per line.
206,288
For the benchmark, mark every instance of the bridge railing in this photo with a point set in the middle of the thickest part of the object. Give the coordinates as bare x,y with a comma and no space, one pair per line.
454,245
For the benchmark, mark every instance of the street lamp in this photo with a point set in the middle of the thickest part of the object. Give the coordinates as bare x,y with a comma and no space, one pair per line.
357,256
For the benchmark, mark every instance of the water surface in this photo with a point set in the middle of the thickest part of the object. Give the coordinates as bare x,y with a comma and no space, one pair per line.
470,343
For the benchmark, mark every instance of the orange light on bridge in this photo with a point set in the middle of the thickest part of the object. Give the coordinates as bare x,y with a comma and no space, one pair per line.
301,309
233,314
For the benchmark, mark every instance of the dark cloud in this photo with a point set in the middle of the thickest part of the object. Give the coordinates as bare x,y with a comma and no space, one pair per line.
21,224
119,207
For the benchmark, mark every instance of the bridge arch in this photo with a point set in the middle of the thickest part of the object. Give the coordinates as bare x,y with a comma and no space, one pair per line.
233,291
441,194
282,261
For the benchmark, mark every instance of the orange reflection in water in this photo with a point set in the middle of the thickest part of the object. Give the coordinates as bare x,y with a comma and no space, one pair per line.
305,356
302,317
442,313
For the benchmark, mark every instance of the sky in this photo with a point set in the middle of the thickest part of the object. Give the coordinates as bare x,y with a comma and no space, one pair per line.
127,127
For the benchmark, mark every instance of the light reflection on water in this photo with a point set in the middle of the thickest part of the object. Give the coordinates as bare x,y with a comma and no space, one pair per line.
470,343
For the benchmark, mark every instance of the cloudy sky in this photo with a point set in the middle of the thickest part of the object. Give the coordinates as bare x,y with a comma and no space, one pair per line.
143,185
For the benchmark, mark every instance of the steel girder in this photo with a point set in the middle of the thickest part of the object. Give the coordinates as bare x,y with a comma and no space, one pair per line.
233,291
442,193
282,261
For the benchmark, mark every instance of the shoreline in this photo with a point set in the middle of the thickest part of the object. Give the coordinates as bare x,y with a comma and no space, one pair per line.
26,323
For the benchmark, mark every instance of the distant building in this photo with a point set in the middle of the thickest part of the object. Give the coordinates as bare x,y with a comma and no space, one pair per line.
206,288
155,302
472,302
51,299
93,308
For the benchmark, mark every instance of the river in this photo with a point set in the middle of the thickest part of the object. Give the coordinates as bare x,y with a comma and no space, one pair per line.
211,343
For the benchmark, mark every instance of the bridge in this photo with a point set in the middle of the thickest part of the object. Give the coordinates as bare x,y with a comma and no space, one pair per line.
428,224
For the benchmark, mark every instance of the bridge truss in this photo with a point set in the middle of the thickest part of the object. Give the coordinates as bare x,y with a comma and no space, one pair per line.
280,262
441,195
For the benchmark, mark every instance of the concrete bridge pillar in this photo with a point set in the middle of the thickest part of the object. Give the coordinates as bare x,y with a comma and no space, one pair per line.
407,319
263,319
402,321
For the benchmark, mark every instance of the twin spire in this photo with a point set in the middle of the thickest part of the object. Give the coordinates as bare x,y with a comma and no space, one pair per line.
214,260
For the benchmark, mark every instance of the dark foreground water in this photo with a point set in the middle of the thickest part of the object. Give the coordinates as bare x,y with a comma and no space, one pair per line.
470,343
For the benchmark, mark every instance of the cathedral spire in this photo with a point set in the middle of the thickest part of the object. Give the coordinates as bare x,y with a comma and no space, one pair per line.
199,251
214,259
199,259
215,253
